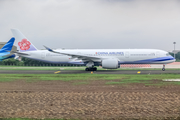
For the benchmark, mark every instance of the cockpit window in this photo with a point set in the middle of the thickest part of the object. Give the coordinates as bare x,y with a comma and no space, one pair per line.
167,54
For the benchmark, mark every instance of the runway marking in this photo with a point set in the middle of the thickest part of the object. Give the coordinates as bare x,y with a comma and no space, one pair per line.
176,80
57,72
138,72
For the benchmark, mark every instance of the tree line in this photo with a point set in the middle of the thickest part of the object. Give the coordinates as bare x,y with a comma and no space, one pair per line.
29,62
177,56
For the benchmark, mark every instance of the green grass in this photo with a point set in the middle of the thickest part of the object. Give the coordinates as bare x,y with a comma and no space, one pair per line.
62,77
115,79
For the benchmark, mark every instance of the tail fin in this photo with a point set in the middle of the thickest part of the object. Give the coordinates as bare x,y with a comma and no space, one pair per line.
8,46
23,44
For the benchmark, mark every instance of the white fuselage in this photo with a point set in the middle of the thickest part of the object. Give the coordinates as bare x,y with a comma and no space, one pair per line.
124,56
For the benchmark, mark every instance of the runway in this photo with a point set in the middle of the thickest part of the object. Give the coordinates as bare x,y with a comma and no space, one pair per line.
95,72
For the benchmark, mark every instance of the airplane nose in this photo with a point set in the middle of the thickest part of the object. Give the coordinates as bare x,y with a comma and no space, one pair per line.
172,58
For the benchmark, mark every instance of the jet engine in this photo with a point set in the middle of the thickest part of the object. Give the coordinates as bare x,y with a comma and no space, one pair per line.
110,63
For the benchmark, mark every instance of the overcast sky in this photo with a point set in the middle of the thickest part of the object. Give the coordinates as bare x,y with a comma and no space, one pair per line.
112,24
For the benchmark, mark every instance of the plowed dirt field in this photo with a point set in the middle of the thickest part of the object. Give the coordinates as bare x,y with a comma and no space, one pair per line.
95,100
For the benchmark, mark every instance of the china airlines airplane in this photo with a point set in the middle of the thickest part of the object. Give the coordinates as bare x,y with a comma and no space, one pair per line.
107,58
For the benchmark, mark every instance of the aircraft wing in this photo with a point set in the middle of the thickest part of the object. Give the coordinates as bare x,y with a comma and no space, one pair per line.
80,56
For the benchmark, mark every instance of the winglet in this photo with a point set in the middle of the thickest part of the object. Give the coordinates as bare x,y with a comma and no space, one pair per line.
19,53
49,49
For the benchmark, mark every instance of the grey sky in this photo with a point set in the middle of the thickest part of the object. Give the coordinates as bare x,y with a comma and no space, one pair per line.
93,23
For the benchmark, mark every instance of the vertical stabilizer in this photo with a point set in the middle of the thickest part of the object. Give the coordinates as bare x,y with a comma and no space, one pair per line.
8,46
23,44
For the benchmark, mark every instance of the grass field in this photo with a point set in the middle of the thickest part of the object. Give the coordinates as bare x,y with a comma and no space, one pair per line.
83,96
116,79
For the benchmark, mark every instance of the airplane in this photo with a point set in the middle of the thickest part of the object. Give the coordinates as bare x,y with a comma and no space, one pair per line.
107,58
5,50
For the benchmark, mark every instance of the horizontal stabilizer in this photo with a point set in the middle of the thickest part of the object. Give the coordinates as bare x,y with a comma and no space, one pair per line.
16,57
49,49
20,53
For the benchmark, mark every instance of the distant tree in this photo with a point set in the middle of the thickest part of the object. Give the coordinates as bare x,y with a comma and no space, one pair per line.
177,56
11,61
32,62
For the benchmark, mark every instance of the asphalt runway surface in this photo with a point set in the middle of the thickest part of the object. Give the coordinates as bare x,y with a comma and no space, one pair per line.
95,72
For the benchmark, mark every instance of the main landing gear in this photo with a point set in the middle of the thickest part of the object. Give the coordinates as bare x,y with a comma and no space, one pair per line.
163,69
90,66
91,69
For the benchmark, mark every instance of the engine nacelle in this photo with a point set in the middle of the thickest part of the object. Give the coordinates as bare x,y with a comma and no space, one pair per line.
110,63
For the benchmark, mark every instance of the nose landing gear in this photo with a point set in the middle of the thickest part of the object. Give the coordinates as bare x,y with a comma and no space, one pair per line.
163,69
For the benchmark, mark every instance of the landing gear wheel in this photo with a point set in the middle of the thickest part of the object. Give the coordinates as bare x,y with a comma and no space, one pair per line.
91,69
95,69
163,69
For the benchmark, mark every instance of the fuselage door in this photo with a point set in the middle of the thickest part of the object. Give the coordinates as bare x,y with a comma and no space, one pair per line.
43,55
127,54
157,54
